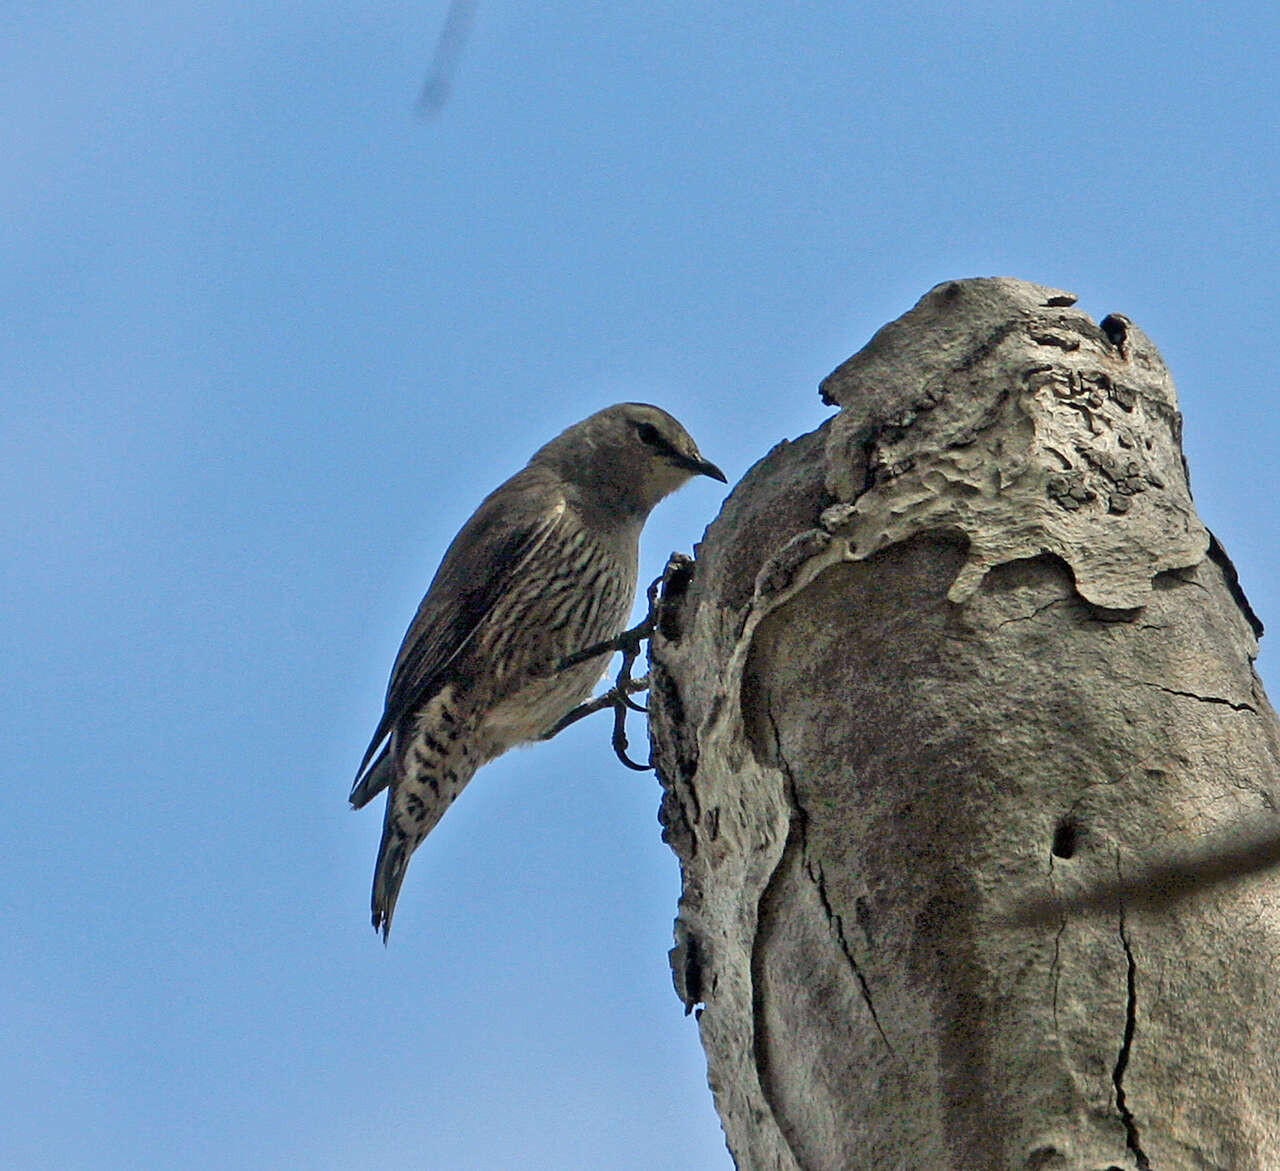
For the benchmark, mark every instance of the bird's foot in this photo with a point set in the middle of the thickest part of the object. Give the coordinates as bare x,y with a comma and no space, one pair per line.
618,697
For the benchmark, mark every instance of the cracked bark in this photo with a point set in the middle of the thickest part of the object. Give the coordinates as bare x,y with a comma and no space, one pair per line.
966,648
1131,1132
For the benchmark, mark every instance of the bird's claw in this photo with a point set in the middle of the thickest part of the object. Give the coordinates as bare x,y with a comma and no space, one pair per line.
619,739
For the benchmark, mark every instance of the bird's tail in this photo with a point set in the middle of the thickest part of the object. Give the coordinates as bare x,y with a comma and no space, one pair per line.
414,806
393,861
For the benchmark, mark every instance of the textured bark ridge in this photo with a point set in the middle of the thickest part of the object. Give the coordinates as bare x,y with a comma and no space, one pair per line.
968,644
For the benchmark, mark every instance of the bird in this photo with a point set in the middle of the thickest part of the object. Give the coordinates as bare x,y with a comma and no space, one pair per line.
544,568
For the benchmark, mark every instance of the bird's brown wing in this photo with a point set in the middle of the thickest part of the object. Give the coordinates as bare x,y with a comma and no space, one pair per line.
489,552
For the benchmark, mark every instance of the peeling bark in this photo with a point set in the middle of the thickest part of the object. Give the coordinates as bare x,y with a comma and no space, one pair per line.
967,649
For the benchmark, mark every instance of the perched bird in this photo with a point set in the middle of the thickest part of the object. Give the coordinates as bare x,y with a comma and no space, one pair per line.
546,567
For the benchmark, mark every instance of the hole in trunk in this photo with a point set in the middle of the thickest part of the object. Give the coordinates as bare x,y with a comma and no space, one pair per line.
1066,838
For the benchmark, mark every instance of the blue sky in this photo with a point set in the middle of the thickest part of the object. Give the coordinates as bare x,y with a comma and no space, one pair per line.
269,337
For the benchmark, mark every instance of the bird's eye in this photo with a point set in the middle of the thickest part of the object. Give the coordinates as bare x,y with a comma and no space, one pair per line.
649,434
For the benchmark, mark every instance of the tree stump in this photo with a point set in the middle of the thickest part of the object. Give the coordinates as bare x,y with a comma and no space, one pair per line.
964,646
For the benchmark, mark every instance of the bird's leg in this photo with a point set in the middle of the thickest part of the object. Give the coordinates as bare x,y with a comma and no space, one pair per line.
628,642
624,685
615,698
610,699
618,697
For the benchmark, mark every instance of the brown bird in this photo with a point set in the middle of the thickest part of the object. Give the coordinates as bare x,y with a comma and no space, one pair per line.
546,567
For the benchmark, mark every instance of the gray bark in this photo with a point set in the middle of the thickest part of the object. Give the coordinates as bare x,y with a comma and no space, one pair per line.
964,649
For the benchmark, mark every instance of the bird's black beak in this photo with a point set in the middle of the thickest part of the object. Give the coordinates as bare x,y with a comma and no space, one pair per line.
704,467
707,468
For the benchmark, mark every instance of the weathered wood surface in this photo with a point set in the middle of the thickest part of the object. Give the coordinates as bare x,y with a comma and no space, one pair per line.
968,645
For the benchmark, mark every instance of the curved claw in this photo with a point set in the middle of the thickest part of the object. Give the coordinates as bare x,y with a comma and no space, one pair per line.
620,739
643,709
631,764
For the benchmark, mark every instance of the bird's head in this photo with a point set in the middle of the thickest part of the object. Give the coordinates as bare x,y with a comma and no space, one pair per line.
627,456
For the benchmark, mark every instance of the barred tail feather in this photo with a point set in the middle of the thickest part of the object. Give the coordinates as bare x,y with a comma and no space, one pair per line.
414,806
393,861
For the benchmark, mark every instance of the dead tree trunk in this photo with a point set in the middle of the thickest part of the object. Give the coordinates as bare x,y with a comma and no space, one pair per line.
968,645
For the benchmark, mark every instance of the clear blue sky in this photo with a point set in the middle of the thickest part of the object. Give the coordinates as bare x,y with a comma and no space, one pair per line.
268,337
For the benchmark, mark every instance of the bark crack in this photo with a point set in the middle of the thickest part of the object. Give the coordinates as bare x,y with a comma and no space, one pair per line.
1055,970
814,870
1235,707
1132,1136
1034,613
836,920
